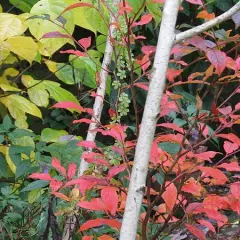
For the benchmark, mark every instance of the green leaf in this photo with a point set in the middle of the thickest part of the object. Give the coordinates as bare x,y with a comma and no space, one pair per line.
40,91
3,167
159,176
19,133
171,148
34,195
155,10
24,5
86,70
25,167
7,123
35,185
52,135
101,43
223,5
89,18
38,27
2,138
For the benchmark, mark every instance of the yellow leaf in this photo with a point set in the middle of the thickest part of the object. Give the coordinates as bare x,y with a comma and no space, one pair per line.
38,27
4,51
52,66
7,87
25,47
1,10
18,106
5,151
11,25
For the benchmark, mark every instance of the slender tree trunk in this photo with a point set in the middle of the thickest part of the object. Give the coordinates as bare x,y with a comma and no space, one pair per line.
97,108
149,120
98,104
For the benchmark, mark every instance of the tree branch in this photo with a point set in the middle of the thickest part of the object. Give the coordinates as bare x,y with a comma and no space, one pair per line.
205,26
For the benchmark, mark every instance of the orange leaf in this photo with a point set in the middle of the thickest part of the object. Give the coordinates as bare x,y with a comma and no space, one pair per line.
205,15
61,195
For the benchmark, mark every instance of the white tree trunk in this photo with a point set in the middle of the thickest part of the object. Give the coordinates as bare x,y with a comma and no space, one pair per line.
97,108
98,104
149,120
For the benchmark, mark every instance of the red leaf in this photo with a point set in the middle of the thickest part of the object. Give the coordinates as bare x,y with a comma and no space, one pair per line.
195,231
96,158
173,73
171,126
197,2
225,110
235,190
214,214
144,62
231,137
41,176
96,204
149,49
69,105
87,144
55,35
207,224
142,85
77,5
72,168
55,185
61,195
87,238
57,165
116,170
230,167
84,120
145,19
115,131
219,176
110,199
230,147
99,222
177,138
205,156
193,187
218,59
90,179
124,8
75,52
170,196
85,42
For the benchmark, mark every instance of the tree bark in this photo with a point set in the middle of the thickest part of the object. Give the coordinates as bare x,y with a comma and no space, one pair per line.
151,112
